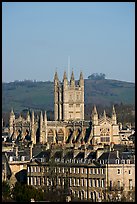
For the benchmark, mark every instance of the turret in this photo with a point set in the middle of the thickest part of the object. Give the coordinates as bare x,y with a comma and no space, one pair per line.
56,80
94,116
104,114
45,118
65,80
114,119
81,80
28,117
72,80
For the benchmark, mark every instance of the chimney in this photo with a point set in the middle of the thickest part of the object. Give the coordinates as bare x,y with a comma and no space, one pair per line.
117,154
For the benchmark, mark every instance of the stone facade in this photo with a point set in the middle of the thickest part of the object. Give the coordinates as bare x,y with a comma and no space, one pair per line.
68,98
69,125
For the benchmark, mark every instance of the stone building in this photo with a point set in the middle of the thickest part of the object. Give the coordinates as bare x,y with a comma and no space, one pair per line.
120,173
84,176
69,125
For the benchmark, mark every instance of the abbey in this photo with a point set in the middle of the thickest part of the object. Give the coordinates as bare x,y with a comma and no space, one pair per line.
69,125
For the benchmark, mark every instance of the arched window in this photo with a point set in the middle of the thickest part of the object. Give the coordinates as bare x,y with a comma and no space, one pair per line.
50,136
60,136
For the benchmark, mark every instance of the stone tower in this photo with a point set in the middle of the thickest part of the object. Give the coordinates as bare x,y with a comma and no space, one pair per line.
68,98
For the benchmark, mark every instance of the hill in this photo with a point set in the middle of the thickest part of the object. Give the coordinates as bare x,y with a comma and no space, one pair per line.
40,95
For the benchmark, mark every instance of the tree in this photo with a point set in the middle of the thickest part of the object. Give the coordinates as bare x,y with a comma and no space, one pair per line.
6,193
23,192
96,76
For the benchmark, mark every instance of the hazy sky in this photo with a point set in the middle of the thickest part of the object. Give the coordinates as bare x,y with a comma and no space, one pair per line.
37,39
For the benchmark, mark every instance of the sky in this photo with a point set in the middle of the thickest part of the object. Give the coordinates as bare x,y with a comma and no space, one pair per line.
39,38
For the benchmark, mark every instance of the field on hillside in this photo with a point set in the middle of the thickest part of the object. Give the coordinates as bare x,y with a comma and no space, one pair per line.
40,95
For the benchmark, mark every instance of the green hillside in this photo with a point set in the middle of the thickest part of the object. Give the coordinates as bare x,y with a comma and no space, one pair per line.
39,95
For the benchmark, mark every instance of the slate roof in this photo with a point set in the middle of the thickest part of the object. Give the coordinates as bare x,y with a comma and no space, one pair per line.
69,155
44,154
112,156
80,155
92,155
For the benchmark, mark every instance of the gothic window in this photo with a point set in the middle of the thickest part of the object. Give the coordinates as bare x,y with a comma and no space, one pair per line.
50,136
60,136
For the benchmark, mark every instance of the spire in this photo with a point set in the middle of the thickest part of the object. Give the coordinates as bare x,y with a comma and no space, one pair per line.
94,110
65,76
94,116
41,118
12,112
81,76
45,117
28,116
32,117
81,80
56,76
72,80
104,114
72,76
113,111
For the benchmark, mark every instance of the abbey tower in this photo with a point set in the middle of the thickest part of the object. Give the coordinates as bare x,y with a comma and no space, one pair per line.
68,98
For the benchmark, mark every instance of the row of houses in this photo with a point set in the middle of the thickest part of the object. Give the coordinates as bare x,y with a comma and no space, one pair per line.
88,173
